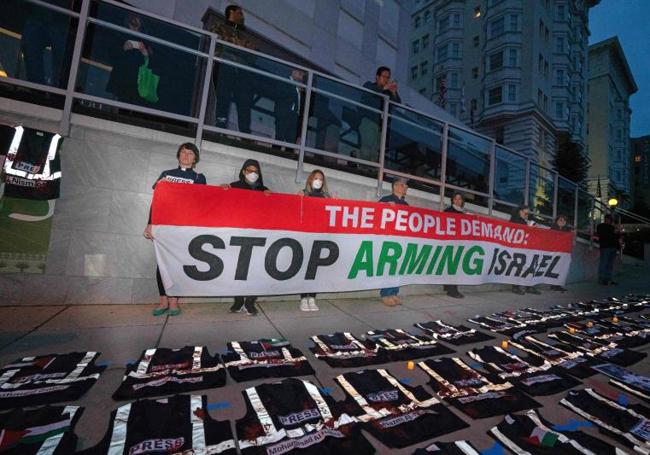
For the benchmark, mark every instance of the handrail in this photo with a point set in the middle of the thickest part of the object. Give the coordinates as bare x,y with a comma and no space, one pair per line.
442,130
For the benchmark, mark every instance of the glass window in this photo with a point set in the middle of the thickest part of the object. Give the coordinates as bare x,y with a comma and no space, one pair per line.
424,68
414,144
540,195
427,16
37,44
475,72
416,46
456,20
416,21
560,12
540,63
454,80
496,27
453,107
559,44
425,41
559,110
468,160
476,41
496,61
559,77
513,57
495,96
512,93
477,12
514,23
510,176
443,24
442,53
455,50
414,72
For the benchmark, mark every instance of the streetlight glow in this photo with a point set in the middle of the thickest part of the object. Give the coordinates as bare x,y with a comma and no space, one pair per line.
613,202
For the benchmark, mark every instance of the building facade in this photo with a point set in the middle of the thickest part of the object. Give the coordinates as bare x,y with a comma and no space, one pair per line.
611,84
641,171
514,70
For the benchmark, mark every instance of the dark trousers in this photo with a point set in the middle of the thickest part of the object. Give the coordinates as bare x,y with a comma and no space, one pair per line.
305,296
161,288
248,302
606,264
233,84
41,31
450,288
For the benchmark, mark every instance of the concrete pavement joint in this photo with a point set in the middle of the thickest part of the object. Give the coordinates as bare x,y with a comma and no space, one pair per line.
34,329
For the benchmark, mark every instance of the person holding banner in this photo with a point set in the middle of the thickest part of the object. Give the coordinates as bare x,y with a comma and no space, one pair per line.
521,217
187,156
457,206
315,186
400,187
560,224
250,178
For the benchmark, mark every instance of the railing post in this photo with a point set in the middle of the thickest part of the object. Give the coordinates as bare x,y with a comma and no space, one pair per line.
591,223
556,182
443,164
205,92
575,208
64,126
304,126
382,145
493,156
527,183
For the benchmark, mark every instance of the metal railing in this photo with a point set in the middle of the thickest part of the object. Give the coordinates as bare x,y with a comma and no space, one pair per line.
442,155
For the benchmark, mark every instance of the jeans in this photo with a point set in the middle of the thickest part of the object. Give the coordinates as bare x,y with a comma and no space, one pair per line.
606,264
388,292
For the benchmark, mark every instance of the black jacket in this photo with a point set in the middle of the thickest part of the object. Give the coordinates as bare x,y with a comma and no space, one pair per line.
243,184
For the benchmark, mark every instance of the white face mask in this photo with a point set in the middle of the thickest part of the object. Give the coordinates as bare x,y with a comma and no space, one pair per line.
317,184
252,177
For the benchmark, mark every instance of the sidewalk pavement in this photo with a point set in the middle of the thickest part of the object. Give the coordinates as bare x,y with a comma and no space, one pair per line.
122,332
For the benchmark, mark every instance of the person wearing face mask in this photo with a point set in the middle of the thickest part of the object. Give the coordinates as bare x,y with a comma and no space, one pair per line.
187,156
250,178
457,206
522,216
400,186
316,186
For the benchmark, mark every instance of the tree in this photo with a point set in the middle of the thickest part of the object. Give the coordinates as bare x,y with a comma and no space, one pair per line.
571,163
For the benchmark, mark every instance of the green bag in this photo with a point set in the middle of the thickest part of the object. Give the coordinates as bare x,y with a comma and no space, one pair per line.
148,82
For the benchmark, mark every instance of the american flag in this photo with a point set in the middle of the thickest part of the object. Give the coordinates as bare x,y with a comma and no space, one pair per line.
442,90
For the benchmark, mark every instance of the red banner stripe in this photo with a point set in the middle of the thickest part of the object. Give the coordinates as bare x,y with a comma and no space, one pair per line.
210,206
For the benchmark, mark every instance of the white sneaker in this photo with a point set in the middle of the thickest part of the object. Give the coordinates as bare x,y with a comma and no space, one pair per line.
312,304
304,305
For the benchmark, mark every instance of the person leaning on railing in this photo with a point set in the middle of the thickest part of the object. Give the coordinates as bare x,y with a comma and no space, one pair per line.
457,206
315,186
521,216
187,156
232,83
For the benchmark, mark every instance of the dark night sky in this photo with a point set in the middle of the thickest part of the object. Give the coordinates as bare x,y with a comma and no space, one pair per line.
628,19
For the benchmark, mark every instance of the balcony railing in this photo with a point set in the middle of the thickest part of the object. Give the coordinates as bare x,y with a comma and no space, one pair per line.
86,58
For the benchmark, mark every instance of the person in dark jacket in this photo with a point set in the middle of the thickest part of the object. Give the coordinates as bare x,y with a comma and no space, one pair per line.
400,187
187,156
250,178
560,224
457,206
608,240
370,124
521,216
315,186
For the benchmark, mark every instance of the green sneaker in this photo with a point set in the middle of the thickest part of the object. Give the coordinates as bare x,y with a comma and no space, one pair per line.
159,311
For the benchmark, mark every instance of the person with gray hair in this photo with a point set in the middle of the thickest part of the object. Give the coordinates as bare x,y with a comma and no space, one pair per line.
389,296
457,206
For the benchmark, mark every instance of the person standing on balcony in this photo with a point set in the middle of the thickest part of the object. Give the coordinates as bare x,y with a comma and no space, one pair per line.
250,178
315,186
400,186
521,216
608,240
288,108
123,80
187,156
457,206
370,125
232,83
